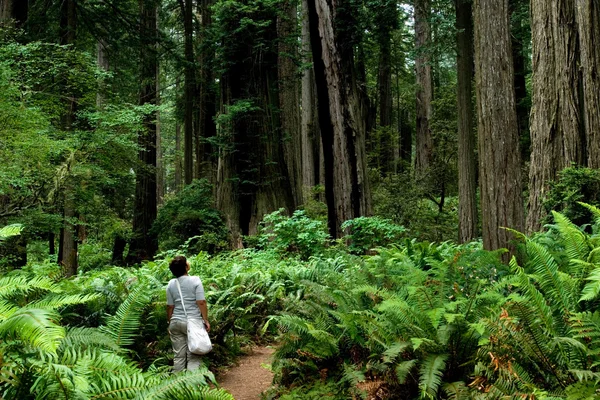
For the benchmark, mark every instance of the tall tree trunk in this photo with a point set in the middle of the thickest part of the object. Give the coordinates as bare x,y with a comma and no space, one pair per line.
424,95
67,256
467,163
342,128
311,138
289,96
388,145
144,243
588,22
252,177
208,102
189,85
17,10
555,118
178,159
500,164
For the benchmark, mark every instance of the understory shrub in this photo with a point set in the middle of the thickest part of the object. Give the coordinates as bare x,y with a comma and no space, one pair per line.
367,233
191,213
574,185
297,234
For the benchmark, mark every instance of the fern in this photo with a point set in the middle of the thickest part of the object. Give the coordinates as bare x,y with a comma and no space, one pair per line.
36,327
10,230
123,326
431,373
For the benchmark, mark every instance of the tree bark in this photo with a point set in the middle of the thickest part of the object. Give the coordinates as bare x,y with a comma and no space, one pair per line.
467,163
312,153
424,94
342,128
588,22
188,89
499,157
144,243
67,251
208,102
388,145
17,10
556,136
289,97
252,177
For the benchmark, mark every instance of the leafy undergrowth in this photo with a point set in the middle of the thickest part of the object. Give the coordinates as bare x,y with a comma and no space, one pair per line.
411,320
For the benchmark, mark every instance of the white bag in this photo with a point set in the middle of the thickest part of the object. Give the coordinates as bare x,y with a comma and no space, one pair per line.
198,341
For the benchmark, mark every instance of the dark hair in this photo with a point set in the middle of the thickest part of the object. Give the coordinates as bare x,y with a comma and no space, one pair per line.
178,266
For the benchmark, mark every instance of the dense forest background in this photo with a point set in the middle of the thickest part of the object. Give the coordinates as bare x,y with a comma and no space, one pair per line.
403,194
138,125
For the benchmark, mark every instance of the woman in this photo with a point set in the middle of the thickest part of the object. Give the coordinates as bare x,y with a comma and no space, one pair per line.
195,305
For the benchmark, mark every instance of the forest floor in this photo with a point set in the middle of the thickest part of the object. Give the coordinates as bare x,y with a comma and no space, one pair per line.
249,378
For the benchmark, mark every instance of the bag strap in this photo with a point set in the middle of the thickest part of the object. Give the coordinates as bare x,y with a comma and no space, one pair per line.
180,296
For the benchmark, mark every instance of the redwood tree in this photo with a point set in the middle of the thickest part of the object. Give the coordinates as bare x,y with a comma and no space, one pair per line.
467,163
499,157
332,25
144,243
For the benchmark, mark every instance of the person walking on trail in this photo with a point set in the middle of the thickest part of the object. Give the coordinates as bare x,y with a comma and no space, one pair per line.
192,292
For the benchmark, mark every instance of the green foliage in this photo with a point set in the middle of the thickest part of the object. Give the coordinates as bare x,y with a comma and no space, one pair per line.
10,230
191,213
297,234
574,185
367,233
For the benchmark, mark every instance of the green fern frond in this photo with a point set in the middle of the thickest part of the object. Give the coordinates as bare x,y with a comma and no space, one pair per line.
546,268
177,386
393,351
36,327
404,369
124,325
456,390
7,309
124,386
573,240
56,301
591,290
10,230
21,284
431,373
81,338
593,209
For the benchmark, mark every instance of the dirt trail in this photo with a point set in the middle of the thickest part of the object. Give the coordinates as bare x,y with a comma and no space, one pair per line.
248,379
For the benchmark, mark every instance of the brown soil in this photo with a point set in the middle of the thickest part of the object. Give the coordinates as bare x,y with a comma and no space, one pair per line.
248,379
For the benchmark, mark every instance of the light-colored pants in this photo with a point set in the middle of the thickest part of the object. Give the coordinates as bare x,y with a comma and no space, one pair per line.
183,358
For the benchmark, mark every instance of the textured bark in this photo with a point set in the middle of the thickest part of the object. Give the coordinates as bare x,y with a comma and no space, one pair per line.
424,94
188,90
499,157
289,97
588,21
144,244
388,145
16,10
467,163
207,97
312,154
67,251
251,177
178,154
555,117
342,128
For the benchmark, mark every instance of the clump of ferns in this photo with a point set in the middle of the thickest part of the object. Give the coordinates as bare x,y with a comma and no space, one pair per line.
545,337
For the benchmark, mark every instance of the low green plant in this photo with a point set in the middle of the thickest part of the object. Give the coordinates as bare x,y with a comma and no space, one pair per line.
572,186
367,233
191,213
296,234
